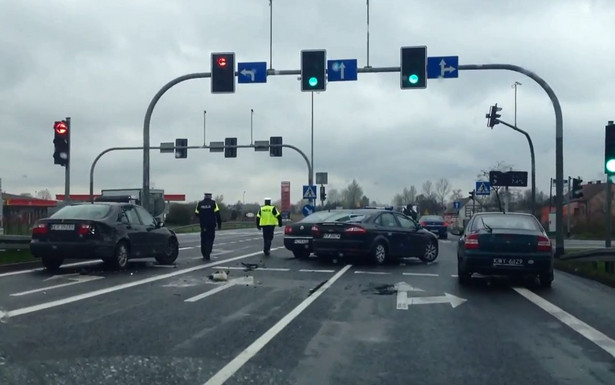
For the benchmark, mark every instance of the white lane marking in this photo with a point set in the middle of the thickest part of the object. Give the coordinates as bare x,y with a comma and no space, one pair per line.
231,283
42,268
595,336
232,367
422,274
47,305
187,248
76,280
247,268
454,276
372,272
316,271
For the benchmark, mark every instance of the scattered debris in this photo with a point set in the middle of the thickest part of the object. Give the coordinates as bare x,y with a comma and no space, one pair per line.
219,275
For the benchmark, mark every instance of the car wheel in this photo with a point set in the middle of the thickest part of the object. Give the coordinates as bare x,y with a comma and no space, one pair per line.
52,263
120,256
546,279
464,276
301,254
379,254
170,254
431,252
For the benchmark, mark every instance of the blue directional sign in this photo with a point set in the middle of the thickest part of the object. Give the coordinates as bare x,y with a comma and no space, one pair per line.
309,192
307,210
457,205
442,67
341,70
483,188
255,72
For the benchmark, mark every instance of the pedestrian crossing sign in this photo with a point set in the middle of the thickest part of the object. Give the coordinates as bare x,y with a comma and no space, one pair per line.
309,192
483,188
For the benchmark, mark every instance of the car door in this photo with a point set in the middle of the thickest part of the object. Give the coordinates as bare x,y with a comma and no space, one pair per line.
135,231
414,241
154,237
388,226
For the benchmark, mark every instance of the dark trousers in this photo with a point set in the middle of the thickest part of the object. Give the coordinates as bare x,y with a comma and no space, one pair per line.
207,241
267,237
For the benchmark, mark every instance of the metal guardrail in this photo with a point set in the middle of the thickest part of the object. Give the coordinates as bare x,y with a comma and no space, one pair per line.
12,242
606,254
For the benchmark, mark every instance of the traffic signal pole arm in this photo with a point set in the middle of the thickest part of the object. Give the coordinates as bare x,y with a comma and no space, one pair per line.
533,158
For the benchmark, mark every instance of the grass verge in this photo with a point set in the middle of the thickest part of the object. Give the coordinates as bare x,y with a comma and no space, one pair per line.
15,256
225,226
591,270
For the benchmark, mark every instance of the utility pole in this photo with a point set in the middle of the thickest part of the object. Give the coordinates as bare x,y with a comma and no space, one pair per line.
367,66
251,126
568,214
271,34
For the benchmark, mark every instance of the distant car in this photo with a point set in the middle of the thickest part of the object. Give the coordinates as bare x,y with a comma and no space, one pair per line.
380,235
298,235
111,231
435,224
508,244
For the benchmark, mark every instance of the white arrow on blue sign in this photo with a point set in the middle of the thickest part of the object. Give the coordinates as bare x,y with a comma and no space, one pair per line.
341,70
483,188
255,72
309,192
442,67
307,210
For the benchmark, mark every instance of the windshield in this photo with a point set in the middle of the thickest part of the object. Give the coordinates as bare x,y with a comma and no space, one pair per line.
347,216
432,218
83,212
506,221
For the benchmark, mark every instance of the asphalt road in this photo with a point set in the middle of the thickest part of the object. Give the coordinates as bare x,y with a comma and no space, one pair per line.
299,322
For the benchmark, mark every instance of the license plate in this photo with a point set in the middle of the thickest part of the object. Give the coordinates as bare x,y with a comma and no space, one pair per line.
301,241
331,236
62,227
507,262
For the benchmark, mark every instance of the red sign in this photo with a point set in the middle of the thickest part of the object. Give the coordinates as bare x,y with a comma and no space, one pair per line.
285,196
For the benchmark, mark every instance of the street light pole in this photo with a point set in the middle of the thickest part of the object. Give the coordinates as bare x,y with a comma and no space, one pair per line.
251,127
515,84
312,148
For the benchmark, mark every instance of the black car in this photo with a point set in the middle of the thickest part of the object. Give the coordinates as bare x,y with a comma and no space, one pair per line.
508,244
113,232
381,235
435,224
298,235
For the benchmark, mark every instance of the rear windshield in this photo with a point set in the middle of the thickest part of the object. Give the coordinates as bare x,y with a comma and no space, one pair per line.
317,216
82,212
432,218
347,217
506,221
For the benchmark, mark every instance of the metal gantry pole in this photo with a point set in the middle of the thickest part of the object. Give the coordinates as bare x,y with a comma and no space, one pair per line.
67,167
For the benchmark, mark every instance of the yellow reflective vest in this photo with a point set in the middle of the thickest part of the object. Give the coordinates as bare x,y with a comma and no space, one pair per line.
268,216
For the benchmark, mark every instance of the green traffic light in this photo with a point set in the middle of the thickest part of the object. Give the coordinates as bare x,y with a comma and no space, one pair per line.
413,79
610,165
313,81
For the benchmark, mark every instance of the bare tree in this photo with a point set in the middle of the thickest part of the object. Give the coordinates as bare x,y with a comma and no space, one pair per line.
352,195
443,188
334,195
428,189
44,194
408,195
456,194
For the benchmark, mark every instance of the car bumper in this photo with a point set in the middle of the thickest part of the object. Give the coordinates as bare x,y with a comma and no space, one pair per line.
487,263
72,250
439,231
344,248
298,243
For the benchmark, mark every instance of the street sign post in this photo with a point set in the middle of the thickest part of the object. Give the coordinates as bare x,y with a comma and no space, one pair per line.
483,188
341,70
442,67
253,72
309,192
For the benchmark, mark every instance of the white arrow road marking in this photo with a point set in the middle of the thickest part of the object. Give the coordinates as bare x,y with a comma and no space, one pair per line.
231,283
76,280
595,336
402,294
446,298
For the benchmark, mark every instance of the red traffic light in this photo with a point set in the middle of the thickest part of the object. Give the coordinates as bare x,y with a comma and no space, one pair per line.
222,62
60,127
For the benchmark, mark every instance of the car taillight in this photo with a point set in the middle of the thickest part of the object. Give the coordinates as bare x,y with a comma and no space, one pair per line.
85,229
423,223
315,230
471,241
444,224
288,230
40,229
355,230
544,243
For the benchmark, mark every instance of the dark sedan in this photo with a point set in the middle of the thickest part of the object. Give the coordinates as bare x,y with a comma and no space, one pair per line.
298,235
508,244
435,224
113,232
380,235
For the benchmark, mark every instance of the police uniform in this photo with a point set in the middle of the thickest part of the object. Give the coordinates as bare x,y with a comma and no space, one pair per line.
267,218
209,215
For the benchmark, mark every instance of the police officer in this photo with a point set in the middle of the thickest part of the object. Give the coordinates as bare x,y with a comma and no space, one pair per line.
209,215
267,218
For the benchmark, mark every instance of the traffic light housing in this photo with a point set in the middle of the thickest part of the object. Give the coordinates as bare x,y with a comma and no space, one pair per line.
323,193
181,153
61,142
313,70
609,149
472,194
413,69
493,116
577,189
230,151
275,151
223,73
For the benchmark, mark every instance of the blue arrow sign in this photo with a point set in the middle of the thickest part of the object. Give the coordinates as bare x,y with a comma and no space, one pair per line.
457,205
255,72
341,70
307,210
483,188
309,192
442,67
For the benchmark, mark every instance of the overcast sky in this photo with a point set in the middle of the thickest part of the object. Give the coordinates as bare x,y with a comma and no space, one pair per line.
101,62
